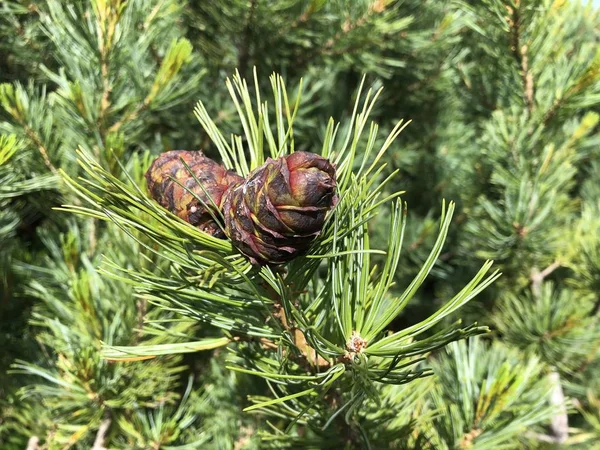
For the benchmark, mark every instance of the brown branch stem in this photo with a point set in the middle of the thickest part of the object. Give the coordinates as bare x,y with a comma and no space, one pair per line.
132,115
33,443
519,52
537,277
560,421
101,435
34,137
552,111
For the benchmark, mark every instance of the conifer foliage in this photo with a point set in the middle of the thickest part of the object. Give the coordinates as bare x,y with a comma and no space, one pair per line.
289,280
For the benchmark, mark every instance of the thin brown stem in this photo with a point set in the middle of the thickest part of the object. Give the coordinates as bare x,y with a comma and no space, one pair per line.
142,308
552,111
244,436
102,47
33,443
108,18
92,240
527,79
106,89
560,421
520,53
468,438
537,277
308,358
101,434
33,136
131,116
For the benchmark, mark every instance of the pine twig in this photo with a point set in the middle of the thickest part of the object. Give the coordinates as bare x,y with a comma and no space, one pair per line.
552,111
92,239
33,443
541,437
559,423
244,437
101,435
527,78
142,308
131,115
537,277
520,53
107,24
308,355
153,14
33,136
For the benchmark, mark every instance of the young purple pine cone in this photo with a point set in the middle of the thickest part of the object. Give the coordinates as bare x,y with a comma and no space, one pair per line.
276,212
214,180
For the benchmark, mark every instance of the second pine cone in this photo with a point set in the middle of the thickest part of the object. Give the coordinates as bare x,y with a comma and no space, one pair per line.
214,180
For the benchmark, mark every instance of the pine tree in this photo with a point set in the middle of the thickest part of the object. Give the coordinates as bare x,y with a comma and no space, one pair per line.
123,326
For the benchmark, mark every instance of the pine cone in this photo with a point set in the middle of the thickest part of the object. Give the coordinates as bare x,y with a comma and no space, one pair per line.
214,180
276,212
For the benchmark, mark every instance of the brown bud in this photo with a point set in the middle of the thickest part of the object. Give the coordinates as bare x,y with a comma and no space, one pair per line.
214,179
277,211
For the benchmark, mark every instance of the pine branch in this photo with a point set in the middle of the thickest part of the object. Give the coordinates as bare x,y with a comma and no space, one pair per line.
33,443
586,79
527,79
34,137
153,14
246,433
519,52
553,110
487,396
537,277
92,237
104,47
132,115
142,309
560,421
101,434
